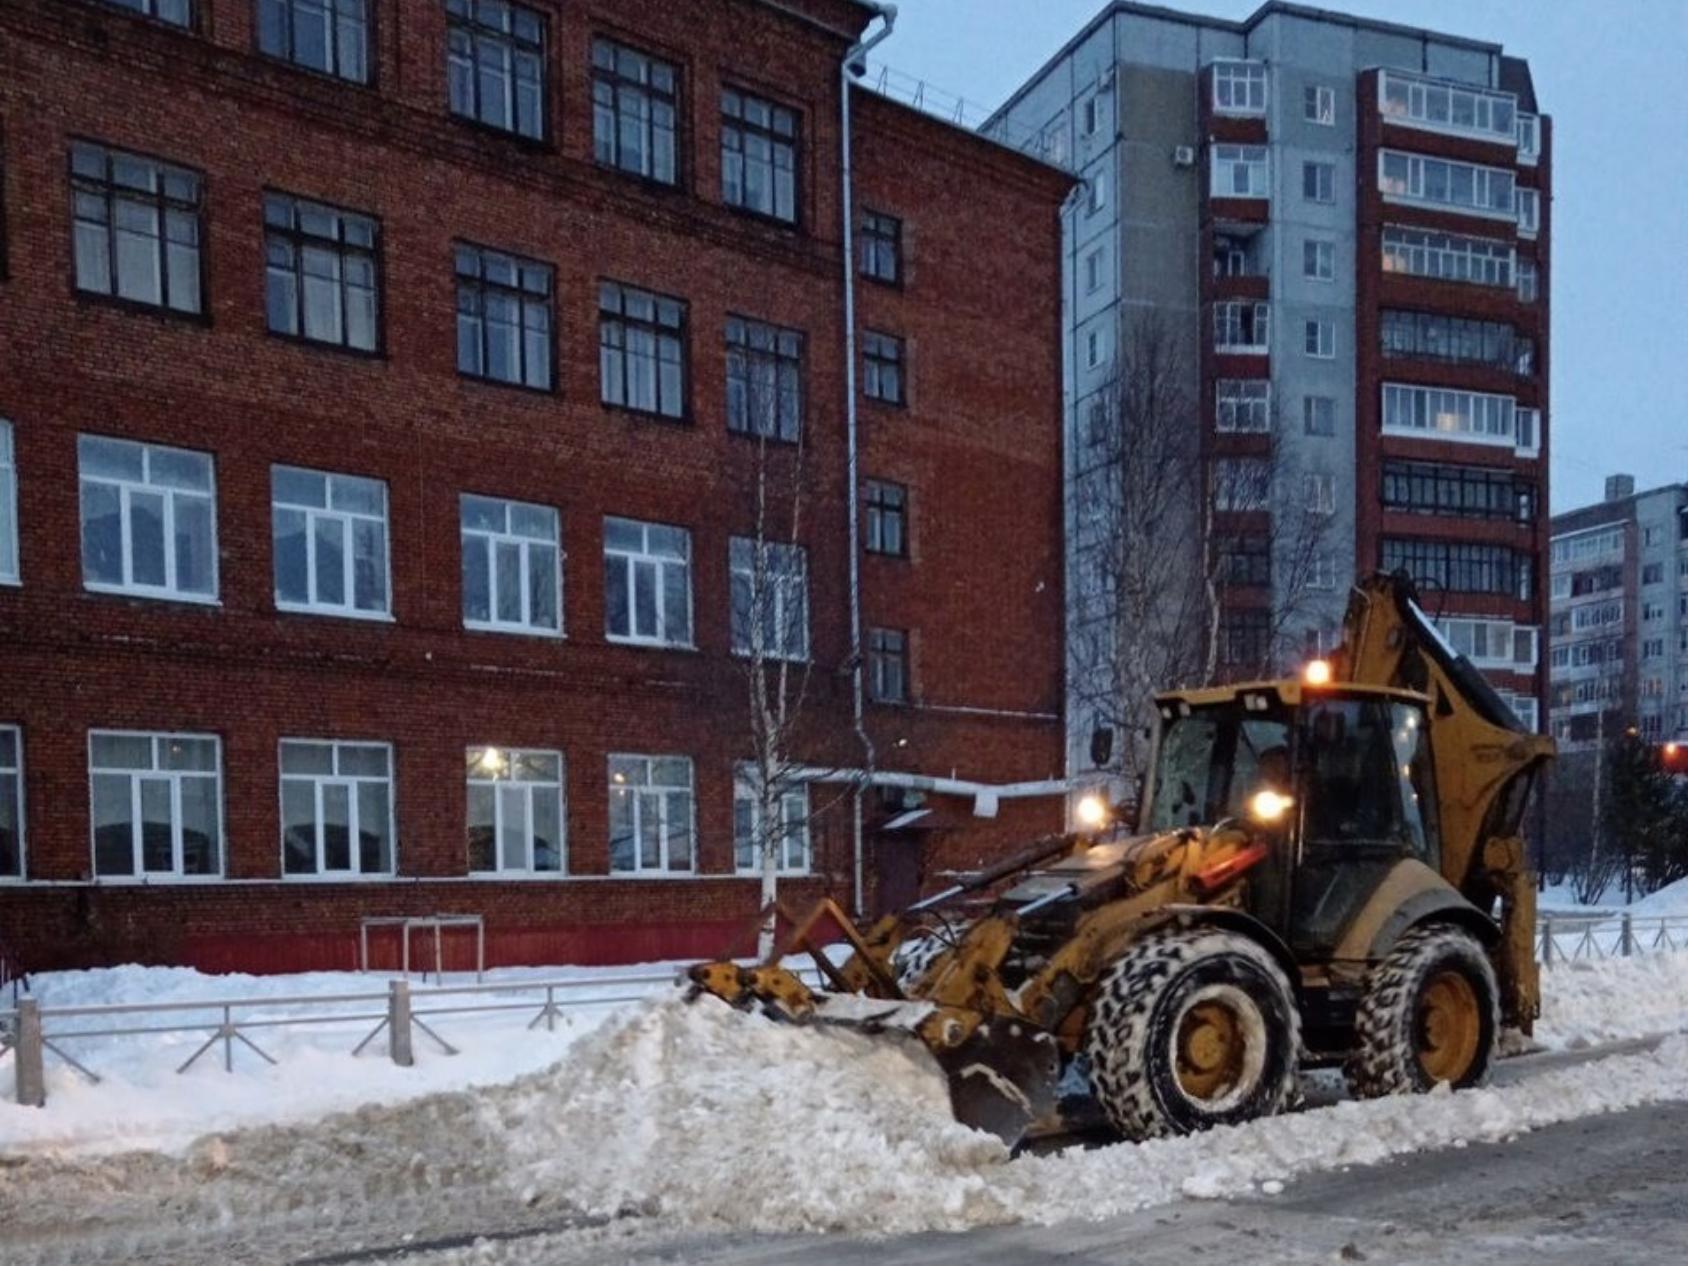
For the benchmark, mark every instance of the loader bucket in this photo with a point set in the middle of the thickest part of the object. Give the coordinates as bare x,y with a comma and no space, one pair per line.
1003,1079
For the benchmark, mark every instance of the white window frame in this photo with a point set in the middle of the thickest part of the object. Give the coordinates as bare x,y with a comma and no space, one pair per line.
660,797
1318,491
785,571
1595,542
1242,405
351,782
1561,586
1242,485
1494,115
1458,256
1606,612
658,562
13,771
1310,409
1527,206
11,565
1478,417
1323,179
794,804
1097,193
1529,139
1222,326
1528,426
171,495
1528,282
1321,572
1318,339
1463,633
1092,349
495,768
490,542
1090,115
1233,73
1320,254
1318,105
174,778
1492,188
348,519
1226,161
1093,270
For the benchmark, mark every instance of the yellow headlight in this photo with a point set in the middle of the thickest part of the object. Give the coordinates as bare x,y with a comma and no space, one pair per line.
1092,812
1269,806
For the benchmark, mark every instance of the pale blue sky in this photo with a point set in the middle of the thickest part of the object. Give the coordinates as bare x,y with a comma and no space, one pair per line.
1610,74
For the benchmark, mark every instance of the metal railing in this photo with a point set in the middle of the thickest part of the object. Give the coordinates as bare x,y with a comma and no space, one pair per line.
1569,938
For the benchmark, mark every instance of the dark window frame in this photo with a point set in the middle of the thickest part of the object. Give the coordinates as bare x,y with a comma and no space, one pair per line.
296,238
147,10
785,349
288,58
681,332
732,123
1495,493
1245,637
522,296
108,189
886,502
1448,339
874,345
889,648
1245,560
876,240
612,77
462,17
1458,566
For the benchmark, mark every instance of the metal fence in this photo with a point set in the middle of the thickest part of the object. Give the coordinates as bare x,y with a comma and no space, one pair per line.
1570,938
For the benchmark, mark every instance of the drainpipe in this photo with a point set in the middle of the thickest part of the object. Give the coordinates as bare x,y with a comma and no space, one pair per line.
855,62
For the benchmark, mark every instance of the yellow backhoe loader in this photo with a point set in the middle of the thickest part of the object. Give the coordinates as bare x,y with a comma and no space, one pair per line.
1324,870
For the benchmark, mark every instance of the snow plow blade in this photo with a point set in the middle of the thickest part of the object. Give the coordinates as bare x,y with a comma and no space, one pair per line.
1003,1079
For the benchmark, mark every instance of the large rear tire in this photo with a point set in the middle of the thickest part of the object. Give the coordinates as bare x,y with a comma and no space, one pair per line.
1189,1030
1430,1014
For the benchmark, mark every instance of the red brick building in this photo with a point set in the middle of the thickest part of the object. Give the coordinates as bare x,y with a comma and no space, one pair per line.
381,408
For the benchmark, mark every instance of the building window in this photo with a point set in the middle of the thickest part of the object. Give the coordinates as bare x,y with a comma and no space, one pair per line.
1242,484
881,247
1321,572
1448,257
330,543
11,802
1458,567
635,112
331,36
1653,648
651,812
1318,182
1456,340
336,808
641,350
764,379
1318,259
1245,559
1239,87
9,570
1319,339
515,811
770,598
1239,171
647,583
1093,271
1318,415
1089,115
788,839
1443,413
1528,205
1241,327
1092,349
1491,643
511,570
1529,139
149,519
882,368
1652,573
495,65
175,12
156,804
1529,430
887,518
322,273
1444,107
1444,182
503,317
1245,638
1588,544
1096,193
1318,104
1319,492
1243,404
758,155
1473,492
137,228
1528,280
887,666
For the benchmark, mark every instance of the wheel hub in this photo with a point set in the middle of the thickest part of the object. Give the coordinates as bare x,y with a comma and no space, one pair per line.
1449,1026
1211,1050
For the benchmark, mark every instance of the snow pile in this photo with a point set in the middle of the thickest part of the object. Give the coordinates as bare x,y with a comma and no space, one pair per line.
1672,899
1591,1002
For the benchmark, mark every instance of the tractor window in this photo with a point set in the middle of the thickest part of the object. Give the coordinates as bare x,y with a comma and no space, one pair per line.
1418,781
1184,771
1213,760
1352,794
1261,763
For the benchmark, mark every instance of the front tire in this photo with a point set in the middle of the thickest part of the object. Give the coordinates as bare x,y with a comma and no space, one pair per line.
1430,1015
1189,1030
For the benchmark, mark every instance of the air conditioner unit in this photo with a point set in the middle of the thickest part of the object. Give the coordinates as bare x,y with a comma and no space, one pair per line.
1183,155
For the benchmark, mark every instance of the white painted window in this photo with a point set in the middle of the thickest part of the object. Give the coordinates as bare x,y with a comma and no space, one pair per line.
1242,484
336,808
1318,259
1582,546
156,804
1438,106
330,543
647,583
512,578
1597,615
1528,204
1527,280
1529,139
1318,339
1561,586
1098,191
1243,404
1319,492
1089,116
1318,182
148,520
1239,87
1653,648
515,799
1526,709
789,837
1491,643
770,598
651,814
1239,171
11,802
8,507
1444,413
1241,327
1449,257
1443,182
1529,430
1321,572
1318,415
1093,271
1318,104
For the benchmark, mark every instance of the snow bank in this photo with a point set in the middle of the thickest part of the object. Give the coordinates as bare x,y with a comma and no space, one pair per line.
1594,1002
1671,899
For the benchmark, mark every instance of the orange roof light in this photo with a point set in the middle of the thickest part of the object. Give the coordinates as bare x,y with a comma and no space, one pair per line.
1317,672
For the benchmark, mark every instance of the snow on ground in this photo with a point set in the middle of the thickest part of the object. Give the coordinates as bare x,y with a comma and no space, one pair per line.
1672,899
1594,1002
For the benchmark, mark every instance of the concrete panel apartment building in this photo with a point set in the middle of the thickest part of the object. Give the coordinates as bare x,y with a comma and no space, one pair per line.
386,391
1346,224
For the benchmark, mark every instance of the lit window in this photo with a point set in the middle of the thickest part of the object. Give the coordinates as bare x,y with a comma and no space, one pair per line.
1445,413
511,572
770,598
635,112
788,836
336,808
148,519
515,815
651,814
137,227
330,543
156,804
647,583
495,64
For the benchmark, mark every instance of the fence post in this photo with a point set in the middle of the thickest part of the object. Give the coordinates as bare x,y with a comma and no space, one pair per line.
398,1023
32,1081
1627,941
1547,942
